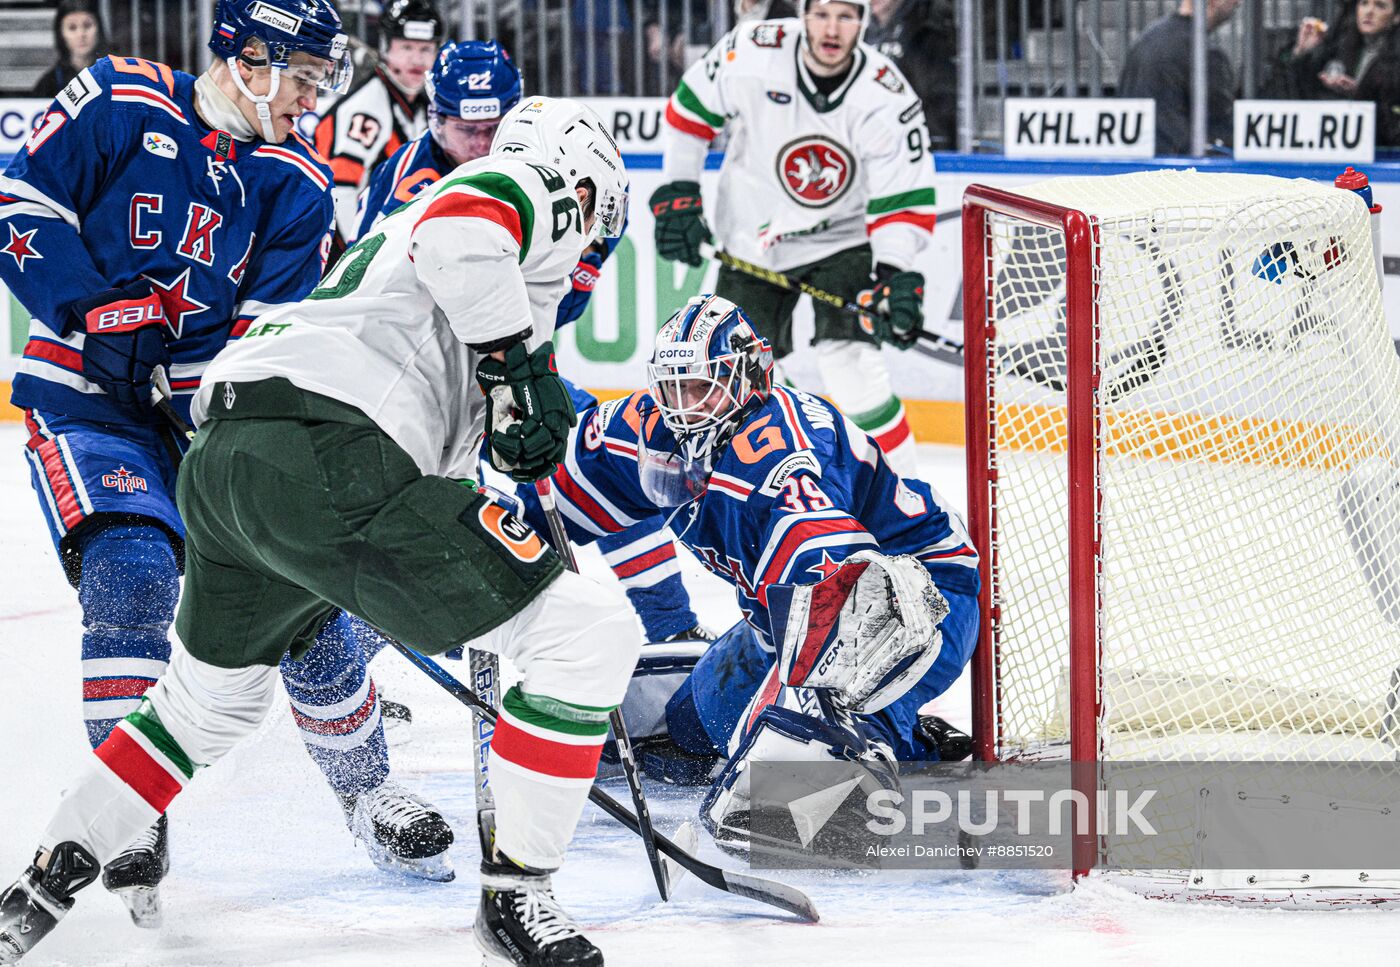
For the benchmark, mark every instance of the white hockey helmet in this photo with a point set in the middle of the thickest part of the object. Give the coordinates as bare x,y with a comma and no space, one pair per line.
568,136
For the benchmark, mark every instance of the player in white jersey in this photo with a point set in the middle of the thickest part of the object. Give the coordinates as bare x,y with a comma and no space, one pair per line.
385,111
827,177
327,474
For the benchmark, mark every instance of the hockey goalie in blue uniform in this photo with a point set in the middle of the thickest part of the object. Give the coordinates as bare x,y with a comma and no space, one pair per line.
150,217
472,84
858,588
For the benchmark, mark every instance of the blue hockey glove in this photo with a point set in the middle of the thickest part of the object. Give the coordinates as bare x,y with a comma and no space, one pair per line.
584,278
124,340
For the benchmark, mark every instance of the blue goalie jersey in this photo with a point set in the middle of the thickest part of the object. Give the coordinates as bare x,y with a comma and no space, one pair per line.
122,181
797,490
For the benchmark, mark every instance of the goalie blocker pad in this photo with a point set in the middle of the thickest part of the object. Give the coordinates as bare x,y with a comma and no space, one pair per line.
867,633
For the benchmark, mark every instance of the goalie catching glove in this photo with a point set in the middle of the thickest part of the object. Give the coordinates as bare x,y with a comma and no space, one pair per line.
897,299
528,412
867,634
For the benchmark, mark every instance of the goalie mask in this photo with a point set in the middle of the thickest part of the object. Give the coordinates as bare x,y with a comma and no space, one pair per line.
709,371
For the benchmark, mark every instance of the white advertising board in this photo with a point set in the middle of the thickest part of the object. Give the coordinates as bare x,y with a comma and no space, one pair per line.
1082,127
1342,131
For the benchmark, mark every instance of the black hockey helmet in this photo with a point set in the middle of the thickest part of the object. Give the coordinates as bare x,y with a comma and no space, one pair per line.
411,20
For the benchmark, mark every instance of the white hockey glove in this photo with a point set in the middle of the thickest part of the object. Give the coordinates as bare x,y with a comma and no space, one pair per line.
867,633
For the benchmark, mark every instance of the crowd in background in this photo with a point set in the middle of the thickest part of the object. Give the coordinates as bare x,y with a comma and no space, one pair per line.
1356,57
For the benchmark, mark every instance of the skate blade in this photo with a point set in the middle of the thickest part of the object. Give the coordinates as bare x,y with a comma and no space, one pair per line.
143,903
437,868
687,839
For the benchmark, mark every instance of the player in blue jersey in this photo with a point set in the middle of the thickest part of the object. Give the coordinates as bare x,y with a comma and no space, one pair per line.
150,216
471,85
780,494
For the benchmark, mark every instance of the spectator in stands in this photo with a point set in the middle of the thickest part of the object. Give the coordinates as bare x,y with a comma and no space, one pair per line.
79,40
921,37
1159,66
1359,60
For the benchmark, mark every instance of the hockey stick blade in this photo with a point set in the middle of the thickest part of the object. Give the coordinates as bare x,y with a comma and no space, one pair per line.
766,891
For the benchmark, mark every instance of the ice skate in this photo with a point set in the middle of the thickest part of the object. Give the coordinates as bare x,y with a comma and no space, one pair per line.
520,924
136,873
34,904
698,633
398,720
402,832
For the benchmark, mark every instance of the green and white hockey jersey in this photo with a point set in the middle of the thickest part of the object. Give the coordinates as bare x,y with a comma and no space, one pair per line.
805,175
483,254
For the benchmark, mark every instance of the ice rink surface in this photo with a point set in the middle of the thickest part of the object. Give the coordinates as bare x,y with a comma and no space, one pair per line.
265,872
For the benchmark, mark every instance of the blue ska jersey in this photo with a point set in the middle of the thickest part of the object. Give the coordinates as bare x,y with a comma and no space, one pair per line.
798,490
398,180
123,181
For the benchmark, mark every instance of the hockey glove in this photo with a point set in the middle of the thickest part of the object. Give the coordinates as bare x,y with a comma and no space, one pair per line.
898,302
680,221
528,412
124,340
584,278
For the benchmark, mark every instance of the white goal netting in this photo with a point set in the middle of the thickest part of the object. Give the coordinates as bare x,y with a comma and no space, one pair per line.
1247,418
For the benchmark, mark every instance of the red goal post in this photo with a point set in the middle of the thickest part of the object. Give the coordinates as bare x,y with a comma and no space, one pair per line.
1183,445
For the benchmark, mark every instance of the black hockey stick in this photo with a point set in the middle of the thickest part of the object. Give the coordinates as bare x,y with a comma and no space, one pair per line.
938,347
771,892
560,538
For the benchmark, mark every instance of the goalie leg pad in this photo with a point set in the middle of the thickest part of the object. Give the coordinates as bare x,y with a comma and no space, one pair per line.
784,735
868,633
702,715
662,670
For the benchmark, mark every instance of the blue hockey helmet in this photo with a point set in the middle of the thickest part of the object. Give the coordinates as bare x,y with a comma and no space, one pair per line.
474,80
709,372
710,368
283,28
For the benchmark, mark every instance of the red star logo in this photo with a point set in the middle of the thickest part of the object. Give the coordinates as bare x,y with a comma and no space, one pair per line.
20,247
826,567
177,302
123,472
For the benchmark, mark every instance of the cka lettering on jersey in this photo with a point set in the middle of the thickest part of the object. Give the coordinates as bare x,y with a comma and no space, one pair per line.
725,567
123,481
815,171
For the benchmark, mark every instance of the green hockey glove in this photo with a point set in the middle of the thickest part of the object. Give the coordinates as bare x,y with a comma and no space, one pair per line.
528,412
897,299
680,221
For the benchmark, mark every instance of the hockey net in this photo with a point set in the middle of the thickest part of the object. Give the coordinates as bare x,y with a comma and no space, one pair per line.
1183,441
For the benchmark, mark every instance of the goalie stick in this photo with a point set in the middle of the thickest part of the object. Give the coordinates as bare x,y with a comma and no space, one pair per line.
771,892
560,538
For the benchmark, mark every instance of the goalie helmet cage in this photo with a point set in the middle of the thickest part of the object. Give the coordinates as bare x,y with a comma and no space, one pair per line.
1183,411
